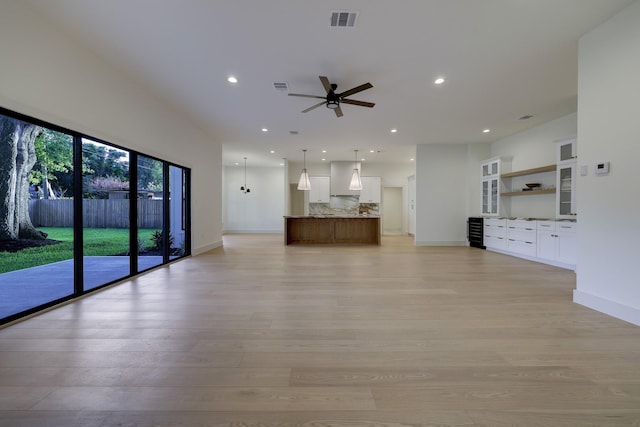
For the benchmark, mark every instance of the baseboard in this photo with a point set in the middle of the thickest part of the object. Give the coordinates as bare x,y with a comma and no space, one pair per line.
440,243
206,248
253,232
611,308
534,259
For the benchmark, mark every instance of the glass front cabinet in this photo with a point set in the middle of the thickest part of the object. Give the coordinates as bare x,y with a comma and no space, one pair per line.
490,181
566,179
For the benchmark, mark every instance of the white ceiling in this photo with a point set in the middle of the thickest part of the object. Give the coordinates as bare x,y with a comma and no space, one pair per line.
501,59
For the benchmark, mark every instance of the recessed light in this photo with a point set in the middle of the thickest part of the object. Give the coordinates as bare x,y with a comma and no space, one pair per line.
394,130
324,151
324,160
362,160
272,152
237,164
372,151
411,159
281,164
265,130
438,81
486,131
232,79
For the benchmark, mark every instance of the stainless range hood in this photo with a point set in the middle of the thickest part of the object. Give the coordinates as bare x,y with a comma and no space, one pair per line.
341,177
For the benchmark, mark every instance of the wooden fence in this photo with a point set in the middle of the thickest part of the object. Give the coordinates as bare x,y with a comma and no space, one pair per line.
96,213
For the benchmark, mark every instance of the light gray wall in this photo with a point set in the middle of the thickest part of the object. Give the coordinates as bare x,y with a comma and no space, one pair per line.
441,189
609,130
49,76
262,209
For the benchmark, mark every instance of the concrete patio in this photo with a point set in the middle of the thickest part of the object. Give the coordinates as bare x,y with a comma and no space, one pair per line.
21,290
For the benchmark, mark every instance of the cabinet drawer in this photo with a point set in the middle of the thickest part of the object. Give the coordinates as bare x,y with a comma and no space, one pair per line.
546,225
521,223
495,222
522,235
495,242
566,227
495,231
524,248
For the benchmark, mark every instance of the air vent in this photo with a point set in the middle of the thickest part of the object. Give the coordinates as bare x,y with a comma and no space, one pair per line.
526,117
343,19
281,86
293,132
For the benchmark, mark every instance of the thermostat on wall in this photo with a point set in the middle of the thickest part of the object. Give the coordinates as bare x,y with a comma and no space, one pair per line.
602,168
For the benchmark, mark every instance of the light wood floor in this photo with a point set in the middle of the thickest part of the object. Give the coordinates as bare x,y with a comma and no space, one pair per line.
259,334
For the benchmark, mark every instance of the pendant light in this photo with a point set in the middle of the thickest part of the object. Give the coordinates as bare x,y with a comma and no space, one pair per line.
304,183
244,188
356,182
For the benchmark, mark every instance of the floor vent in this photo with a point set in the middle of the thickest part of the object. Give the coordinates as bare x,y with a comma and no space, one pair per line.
281,86
343,19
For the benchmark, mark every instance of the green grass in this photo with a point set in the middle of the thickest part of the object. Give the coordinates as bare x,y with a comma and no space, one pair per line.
97,242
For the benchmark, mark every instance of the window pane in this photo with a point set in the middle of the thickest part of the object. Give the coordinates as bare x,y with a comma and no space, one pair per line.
105,210
36,216
177,211
150,213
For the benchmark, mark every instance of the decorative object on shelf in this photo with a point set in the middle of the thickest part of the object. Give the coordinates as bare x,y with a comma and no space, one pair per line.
244,188
304,183
533,184
356,182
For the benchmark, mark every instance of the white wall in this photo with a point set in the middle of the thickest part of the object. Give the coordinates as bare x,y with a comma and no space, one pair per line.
46,75
609,130
441,189
262,209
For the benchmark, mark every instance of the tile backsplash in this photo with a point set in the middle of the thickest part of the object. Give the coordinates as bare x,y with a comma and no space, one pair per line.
344,205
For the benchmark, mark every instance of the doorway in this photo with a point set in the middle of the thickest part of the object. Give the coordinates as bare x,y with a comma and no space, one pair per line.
392,210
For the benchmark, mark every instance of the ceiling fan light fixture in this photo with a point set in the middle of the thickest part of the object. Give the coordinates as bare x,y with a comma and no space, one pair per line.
333,104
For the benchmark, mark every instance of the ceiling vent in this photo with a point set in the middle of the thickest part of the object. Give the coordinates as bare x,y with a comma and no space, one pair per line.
281,86
526,117
343,19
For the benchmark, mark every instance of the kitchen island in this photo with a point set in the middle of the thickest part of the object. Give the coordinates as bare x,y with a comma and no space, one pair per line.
329,229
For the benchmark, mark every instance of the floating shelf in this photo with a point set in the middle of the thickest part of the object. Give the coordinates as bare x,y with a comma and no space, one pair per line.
529,193
549,168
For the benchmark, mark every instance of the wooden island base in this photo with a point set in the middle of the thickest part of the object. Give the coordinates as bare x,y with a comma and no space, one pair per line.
331,230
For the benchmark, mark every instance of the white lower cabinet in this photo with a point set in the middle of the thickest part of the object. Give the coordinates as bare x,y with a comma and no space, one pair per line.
557,241
521,237
495,233
550,242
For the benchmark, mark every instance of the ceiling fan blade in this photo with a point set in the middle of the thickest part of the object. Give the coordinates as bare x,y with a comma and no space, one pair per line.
338,112
360,103
314,107
325,83
307,96
355,90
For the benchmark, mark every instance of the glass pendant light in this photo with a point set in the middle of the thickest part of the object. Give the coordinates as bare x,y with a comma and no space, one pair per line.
356,182
304,183
244,188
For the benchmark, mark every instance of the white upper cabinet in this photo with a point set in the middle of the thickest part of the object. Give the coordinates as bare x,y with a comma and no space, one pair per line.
566,207
490,171
371,189
319,192
567,150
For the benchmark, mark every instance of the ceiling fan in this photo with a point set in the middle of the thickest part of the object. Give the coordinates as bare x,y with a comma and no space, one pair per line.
332,100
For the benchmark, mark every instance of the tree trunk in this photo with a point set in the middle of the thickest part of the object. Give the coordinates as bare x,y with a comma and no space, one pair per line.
17,157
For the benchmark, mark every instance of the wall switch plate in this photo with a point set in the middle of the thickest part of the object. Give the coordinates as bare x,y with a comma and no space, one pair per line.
602,168
584,170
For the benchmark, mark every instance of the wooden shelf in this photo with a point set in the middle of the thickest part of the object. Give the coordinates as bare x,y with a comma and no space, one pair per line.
529,193
549,168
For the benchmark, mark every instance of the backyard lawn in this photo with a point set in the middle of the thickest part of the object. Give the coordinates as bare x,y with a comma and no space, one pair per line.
97,241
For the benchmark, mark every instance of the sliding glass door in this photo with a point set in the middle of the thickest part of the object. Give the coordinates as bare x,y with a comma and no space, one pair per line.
36,215
77,213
